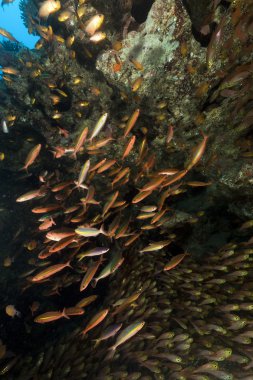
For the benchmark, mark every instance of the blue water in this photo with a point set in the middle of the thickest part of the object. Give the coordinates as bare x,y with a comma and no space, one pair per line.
10,19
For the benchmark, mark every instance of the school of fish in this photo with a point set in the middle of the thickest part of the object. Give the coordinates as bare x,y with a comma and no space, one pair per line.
164,315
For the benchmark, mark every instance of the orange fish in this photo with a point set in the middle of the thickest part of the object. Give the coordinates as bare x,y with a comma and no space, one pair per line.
100,143
199,151
89,197
137,64
198,183
117,45
50,316
80,141
132,239
168,172
93,24
122,232
61,244
143,148
98,318
31,245
175,178
6,34
61,186
136,84
131,121
12,312
107,165
98,165
9,70
57,235
86,301
38,193
142,195
50,271
121,174
158,216
49,222
42,210
110,202
74,310
31,157
113,226
90,274
166,194
175,261
71,209
153,184
129,147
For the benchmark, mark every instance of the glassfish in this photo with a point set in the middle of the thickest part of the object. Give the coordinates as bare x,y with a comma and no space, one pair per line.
109,332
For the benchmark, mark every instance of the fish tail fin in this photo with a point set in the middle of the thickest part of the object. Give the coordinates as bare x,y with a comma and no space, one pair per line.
203,134
76,186
23,168
94,282
83,333
94,202
64,313
68,264
96,341
102,230
110,354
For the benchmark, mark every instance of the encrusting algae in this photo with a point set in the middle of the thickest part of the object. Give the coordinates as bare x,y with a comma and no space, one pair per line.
119,176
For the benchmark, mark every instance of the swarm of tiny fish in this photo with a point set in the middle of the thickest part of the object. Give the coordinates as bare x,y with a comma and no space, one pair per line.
191,321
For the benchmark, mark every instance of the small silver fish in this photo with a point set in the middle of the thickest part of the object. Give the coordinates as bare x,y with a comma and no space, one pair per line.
5,127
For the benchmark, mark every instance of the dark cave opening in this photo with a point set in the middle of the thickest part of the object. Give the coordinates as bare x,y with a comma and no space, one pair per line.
140,10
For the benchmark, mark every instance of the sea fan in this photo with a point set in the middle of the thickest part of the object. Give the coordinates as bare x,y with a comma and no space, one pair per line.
29,11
